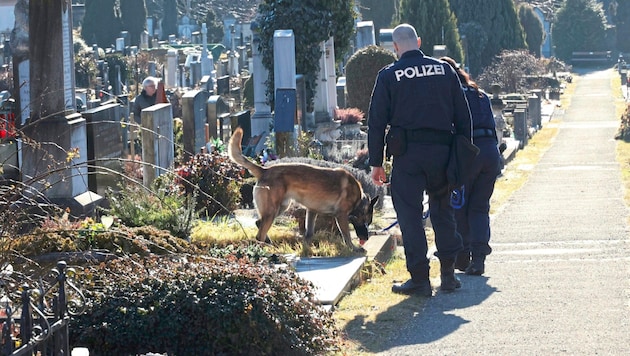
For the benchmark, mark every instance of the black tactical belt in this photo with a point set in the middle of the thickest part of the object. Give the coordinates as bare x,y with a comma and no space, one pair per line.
479,133
437,137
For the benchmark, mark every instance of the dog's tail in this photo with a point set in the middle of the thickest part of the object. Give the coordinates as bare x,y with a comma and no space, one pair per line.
235,152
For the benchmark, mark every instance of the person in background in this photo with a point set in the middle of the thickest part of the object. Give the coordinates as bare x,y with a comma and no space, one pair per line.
146,98
473,220
421,100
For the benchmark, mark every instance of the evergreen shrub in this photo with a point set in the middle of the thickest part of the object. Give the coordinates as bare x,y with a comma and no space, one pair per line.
361,71
200,306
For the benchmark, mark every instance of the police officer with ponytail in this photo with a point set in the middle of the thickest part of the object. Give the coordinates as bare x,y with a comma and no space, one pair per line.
473,220
417,102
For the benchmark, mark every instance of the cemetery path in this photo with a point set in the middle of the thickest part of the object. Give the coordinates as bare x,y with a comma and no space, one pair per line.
558,280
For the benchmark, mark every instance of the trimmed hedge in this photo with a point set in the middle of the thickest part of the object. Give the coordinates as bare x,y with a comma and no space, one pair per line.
361,72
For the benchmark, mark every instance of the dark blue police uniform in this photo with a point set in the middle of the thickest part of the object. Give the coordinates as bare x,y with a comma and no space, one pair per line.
473,221
423,96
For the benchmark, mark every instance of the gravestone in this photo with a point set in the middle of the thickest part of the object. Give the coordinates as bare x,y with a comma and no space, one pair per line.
194,106
206,84
284,89
520,126
341,92
223,85
300,101
171,68
195,74
57,165
157,141
207,62
105,147
242,119
262,111
325,100
365,34
217,111
152,68
534,110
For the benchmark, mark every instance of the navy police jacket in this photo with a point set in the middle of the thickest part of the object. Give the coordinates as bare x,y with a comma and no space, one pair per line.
480,108
416,92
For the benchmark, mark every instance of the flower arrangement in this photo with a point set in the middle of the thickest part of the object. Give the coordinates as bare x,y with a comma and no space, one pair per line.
349,115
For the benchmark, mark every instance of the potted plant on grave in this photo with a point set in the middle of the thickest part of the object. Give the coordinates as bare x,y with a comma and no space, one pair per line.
351,122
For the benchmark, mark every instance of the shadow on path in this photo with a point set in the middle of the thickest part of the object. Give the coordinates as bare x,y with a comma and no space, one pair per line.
432,316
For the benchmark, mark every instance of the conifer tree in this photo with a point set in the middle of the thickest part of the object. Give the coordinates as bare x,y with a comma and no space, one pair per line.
435,23
579,26
381,12
169,22
533,28
101,23
500,25
133,15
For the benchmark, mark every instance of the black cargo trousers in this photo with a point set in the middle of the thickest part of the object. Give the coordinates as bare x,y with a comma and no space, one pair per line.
423,167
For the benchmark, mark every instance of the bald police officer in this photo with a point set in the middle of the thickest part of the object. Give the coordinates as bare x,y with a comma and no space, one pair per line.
418,99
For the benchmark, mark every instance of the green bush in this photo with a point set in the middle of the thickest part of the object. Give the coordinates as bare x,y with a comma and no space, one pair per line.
216,182
361,72
162,206
200,306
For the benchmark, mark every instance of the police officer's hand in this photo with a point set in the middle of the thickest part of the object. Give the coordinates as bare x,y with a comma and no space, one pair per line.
378,176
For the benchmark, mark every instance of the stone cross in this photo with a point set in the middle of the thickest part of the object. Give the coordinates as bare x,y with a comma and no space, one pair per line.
207,63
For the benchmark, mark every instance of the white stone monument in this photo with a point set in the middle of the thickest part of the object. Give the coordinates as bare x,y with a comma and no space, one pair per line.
171,68
284,59
325,99
262,110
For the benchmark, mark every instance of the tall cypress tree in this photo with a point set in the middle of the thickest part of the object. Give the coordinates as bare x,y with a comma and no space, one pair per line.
498,20
169,22
579,26
622,22
215,27
435,23
101,24
133,14
534,31
381,12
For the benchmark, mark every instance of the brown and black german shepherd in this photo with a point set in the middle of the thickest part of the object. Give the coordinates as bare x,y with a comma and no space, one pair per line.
320,190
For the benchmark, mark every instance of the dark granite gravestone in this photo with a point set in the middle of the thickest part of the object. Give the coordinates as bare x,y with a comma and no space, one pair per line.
217,110
194,106
104,147
223,85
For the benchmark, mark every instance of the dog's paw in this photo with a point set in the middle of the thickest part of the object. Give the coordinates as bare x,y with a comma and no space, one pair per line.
358,249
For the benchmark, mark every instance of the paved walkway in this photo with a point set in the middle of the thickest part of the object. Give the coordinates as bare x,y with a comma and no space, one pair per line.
558,281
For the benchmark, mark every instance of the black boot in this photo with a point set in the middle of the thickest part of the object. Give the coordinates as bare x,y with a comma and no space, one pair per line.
462,261
421,287
477,266
447,273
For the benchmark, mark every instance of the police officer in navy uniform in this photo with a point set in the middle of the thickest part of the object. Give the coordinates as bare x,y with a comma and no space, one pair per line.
421,97
473,220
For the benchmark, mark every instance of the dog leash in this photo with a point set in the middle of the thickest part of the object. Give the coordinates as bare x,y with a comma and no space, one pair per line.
425,215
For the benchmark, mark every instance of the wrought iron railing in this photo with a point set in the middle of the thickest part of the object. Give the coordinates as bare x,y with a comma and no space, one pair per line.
34,316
